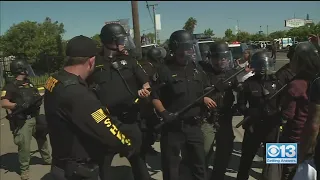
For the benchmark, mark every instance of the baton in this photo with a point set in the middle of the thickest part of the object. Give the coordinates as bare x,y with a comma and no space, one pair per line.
186,108
268,99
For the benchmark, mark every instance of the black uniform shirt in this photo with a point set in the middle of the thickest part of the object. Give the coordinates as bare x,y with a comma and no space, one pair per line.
76,119
315,91
252,93
114,91
183,86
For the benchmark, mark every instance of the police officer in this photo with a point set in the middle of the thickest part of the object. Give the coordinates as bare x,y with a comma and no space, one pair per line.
23,100
81,128
264,121
185,82
219,68
152,62
119,79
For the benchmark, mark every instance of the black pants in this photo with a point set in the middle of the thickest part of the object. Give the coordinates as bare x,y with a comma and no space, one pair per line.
172,141
138,166
149,134
224,147
265,131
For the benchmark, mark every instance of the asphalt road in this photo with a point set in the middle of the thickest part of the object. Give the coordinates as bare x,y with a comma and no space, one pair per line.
9,162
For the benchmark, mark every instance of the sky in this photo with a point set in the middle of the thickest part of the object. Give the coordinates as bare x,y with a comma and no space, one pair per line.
88,17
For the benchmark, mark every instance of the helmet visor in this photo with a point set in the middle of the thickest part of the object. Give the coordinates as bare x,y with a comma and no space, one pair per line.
126,41
222,60
264,65
188,52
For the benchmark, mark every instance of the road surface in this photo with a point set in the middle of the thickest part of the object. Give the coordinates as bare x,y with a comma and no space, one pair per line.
9,162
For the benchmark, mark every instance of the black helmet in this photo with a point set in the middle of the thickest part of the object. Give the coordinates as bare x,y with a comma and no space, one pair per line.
306,59
291,51
218,47
19,67
261,63
163,52
220,57
155,55
180,37
111,32
184,47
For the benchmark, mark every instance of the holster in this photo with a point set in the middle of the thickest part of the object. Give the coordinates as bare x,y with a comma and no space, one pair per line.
15,122
82,170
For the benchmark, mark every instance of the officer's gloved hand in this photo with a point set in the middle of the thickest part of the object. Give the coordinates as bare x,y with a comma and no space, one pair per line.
132,132
168,116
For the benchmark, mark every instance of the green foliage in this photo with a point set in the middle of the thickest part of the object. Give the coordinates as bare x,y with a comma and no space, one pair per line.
243,36
39,81
277,34
36,42
190,25
97,39
151,37
208,32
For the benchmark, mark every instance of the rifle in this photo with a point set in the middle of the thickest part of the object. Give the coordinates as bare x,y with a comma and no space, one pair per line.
18,111
267,100
218,87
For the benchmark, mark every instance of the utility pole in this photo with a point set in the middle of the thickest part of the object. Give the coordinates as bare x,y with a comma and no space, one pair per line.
136,26
267,30
154,21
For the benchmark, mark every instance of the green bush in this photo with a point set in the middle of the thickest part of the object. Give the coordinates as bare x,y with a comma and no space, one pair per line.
39,81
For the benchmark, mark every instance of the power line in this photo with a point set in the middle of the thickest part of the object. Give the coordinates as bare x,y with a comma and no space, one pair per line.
148,7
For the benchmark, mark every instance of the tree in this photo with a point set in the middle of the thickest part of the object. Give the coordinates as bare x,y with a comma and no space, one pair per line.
301,33
277,34
258,37
243,36
208,32
97,39
151,37
229,36
36,41
190,25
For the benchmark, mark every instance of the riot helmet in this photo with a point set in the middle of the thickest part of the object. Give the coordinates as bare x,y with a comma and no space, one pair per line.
291,51
163,52
19,67
305,59
184,47
154,55
261,63
114,37
220,56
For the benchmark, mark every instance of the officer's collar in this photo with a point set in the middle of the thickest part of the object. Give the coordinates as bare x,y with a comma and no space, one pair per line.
81,81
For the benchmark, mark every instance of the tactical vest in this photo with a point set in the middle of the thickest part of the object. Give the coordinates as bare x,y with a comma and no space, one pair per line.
224,99
27,93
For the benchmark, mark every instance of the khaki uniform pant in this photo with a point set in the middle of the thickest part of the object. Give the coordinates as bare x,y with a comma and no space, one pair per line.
22,138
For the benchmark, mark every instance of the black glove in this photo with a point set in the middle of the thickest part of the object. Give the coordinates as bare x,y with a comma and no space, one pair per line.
168,116
132,132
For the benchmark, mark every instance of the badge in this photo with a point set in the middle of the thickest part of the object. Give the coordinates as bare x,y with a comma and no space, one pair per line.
155,77
196,71
123,62
274,86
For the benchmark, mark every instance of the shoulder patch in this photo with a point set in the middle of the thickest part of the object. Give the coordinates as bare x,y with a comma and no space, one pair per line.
98,115
51,83
3,93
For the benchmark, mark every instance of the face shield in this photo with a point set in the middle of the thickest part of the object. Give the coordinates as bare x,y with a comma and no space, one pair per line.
222,61
187,53
124,42
29,71
264,66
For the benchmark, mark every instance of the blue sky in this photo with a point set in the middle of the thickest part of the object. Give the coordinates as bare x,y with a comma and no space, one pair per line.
87,18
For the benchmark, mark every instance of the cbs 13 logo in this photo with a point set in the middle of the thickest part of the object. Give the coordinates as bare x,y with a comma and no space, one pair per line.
281,150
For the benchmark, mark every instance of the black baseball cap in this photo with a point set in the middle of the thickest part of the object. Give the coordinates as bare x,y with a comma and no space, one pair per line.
81,46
